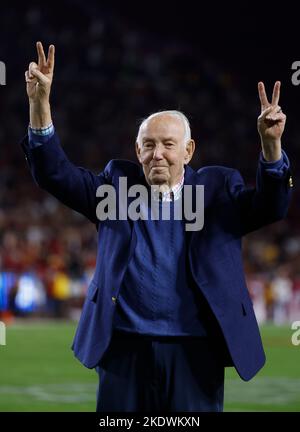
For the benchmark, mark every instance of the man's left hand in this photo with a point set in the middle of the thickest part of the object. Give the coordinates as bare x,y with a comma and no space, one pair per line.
270,123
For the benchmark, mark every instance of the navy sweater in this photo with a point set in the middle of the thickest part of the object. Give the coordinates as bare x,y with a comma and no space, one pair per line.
158,295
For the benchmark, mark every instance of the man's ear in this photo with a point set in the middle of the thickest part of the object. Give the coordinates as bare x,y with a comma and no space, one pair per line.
189,151
138,151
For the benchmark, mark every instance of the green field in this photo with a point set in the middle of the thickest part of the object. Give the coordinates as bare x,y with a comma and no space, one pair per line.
39,373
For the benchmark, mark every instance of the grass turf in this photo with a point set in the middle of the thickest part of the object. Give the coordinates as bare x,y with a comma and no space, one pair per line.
38,372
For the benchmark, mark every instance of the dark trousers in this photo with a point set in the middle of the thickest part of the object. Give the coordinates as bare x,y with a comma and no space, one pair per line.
167,374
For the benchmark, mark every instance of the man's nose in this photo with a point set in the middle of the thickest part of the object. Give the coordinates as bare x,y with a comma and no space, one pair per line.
158,153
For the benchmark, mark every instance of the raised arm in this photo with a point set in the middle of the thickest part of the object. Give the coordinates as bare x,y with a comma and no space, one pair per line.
269,200
50,167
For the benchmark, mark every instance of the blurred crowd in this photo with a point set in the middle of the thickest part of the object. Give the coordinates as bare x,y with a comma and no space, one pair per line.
110,73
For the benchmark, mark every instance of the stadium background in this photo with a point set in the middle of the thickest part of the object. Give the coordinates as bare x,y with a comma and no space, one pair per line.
116,62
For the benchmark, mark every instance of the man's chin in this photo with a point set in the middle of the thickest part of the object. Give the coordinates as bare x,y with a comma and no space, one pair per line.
158,179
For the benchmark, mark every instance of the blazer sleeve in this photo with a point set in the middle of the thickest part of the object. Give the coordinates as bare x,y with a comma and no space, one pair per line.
263,204
52,171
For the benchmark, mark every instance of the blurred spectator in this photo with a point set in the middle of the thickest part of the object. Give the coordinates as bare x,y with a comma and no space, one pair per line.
281,287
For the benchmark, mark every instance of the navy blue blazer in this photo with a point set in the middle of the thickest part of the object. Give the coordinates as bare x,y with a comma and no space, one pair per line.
231,211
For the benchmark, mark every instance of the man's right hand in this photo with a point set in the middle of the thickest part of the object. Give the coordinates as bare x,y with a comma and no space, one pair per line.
38,79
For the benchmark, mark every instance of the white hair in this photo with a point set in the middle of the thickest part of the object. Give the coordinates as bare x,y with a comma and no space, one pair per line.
175,113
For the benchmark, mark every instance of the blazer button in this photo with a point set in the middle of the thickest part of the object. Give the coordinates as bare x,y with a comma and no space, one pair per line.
114,299
291,182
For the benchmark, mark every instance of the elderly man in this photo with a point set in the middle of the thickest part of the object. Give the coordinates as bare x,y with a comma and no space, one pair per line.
167,309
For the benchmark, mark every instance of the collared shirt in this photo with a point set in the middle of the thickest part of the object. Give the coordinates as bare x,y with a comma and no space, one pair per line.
172,194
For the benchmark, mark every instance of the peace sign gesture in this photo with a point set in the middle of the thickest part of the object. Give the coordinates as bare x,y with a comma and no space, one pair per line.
39,76
271,122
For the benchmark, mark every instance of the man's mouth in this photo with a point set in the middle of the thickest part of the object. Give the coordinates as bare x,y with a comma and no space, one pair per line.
158,167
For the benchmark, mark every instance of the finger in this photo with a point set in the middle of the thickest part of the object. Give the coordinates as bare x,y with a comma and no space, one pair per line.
265,112
32,66
39,76
262,96
41,55
27,79
276,93
276,110
281,117
276,117
50,60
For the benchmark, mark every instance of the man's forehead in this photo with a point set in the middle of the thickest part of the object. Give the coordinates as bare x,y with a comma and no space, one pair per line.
163,124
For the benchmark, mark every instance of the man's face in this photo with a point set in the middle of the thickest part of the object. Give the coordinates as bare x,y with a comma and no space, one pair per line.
162,150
